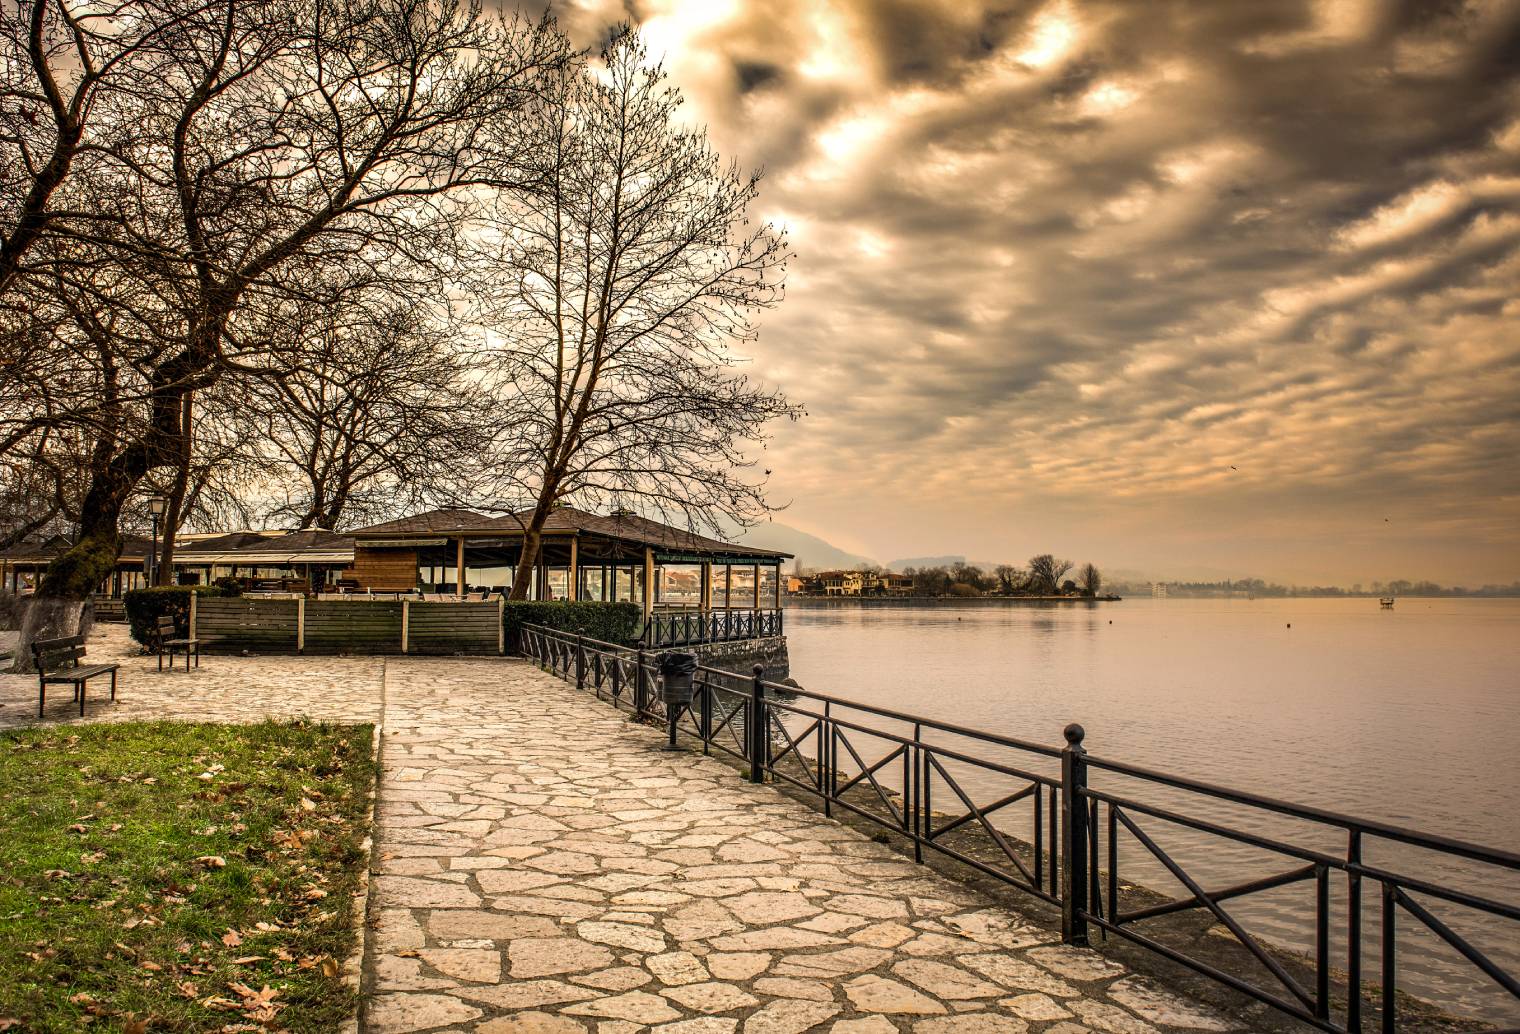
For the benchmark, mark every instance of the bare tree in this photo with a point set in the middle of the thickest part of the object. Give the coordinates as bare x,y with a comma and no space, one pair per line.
1091,580
275,138
1009,579
1045,572
624,276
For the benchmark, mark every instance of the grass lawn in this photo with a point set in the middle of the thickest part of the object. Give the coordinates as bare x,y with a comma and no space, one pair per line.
180,877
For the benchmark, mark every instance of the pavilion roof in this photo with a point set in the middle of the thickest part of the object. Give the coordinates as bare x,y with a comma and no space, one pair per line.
627,527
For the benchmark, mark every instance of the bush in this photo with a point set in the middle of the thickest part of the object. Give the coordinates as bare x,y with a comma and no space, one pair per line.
619,623
229,585
145,606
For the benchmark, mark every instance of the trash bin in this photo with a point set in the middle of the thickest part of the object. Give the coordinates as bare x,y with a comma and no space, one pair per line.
676,671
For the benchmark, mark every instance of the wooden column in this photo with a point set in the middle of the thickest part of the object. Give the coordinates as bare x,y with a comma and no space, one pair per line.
459,567
756,569
572,589
648,584
704,597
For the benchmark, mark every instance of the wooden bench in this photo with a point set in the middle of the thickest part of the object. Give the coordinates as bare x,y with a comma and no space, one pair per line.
59,662
171,642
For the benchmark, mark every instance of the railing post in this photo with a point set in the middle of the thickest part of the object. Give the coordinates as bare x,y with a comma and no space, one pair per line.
759,727
704,715
640,684
1074,888
580,662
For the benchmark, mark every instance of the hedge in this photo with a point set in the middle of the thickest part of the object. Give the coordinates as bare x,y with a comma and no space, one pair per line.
619,623
145,606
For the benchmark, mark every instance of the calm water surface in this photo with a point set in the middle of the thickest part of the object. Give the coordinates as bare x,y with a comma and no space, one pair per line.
1409,716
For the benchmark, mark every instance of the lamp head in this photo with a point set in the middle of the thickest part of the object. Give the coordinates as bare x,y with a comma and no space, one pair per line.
156,505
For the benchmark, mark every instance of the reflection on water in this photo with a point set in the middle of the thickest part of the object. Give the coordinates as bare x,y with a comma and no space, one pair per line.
1408,716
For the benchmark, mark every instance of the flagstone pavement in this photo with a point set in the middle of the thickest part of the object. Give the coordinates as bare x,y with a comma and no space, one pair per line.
542,867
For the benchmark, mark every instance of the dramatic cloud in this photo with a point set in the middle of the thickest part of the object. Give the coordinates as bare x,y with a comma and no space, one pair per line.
1172,286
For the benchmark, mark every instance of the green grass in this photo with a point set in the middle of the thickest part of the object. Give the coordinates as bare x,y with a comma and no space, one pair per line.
163,875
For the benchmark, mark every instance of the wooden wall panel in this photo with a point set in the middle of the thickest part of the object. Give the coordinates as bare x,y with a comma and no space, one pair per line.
384,570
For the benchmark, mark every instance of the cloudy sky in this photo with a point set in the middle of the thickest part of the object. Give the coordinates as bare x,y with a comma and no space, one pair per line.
1184,288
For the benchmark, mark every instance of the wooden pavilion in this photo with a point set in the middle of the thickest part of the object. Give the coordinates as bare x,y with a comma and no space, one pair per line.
583,556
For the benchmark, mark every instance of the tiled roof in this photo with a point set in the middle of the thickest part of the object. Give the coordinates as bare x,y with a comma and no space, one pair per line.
432,522
564,520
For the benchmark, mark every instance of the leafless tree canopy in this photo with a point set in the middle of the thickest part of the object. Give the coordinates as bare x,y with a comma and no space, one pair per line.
621,280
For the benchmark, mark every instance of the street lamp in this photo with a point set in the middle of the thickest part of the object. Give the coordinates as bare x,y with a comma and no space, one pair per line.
156,505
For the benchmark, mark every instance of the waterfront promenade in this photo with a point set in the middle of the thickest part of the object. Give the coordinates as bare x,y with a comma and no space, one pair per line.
543,868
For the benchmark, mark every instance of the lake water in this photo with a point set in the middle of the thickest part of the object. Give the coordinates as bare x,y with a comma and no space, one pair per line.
1409,716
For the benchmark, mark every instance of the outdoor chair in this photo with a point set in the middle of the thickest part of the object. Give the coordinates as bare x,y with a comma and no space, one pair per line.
171,642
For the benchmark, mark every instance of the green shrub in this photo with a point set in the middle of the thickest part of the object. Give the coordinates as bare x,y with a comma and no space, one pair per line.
619,623
145,606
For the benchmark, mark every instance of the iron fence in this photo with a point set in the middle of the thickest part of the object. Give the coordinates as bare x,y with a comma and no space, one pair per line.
910,774
690,627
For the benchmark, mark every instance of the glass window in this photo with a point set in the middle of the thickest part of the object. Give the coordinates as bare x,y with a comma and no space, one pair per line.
719,581
769,583
741,587
680,585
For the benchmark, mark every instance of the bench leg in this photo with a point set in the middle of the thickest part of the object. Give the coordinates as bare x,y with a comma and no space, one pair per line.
41,697
161,660
113,687
81,699
197,657
187,659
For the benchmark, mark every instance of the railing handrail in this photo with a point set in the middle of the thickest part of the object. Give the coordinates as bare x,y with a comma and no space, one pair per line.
1309,812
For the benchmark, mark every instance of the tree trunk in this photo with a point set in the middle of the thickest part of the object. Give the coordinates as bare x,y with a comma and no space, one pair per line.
532,541
174,513
49,619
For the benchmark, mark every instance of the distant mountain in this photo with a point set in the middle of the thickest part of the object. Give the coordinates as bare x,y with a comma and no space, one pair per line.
987,566
925,561
811,551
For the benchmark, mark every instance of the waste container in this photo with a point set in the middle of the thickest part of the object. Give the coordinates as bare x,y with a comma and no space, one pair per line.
676,671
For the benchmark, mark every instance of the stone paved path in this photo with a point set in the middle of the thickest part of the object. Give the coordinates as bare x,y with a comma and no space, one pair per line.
546,869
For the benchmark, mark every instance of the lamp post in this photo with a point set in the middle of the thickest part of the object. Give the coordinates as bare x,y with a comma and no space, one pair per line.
156,508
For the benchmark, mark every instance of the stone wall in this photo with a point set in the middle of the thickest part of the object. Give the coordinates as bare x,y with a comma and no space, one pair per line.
743,654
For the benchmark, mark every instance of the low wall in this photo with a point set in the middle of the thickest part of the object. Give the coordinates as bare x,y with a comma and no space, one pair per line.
237,624
742,655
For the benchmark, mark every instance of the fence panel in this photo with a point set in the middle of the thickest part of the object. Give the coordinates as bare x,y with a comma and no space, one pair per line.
453,628
368,626
226,624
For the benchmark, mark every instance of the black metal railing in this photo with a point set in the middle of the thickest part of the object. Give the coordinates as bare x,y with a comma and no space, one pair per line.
913,775
690,627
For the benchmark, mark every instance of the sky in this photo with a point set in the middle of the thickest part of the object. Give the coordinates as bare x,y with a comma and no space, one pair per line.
1196,289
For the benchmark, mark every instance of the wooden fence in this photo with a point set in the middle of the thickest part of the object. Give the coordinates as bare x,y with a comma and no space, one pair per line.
234,624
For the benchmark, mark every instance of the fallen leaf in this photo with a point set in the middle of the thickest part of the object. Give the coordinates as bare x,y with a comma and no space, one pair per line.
307,804
135,1027
330,967
216,861
232,938
248,960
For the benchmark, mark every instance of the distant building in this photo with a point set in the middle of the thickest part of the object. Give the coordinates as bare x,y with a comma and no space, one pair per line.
856,583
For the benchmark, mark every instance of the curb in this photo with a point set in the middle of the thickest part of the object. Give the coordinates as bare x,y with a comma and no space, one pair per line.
353,966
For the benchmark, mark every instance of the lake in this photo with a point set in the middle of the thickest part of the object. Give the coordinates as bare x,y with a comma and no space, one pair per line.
1409,716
